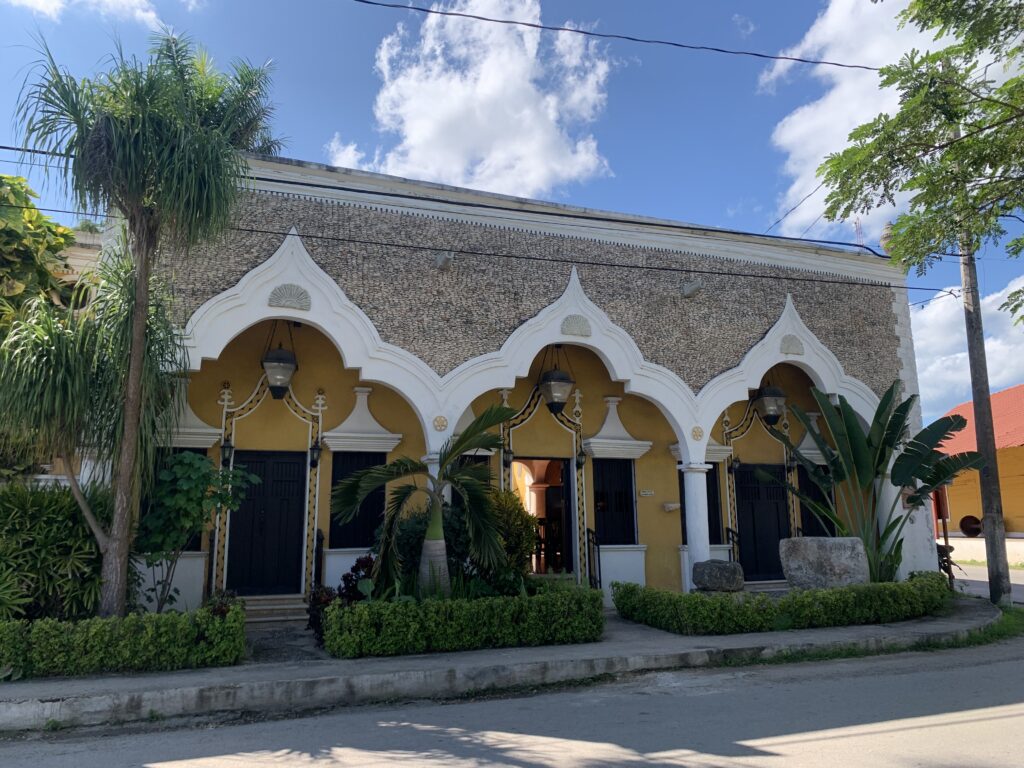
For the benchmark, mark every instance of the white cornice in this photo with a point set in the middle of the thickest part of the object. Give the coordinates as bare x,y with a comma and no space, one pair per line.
193,432
714,453
360,431
376,191
613,441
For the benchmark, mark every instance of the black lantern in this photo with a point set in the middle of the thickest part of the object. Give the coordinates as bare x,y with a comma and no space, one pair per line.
770,404
227,451
581,458
314,454
279,364
555,385
733,465
507,457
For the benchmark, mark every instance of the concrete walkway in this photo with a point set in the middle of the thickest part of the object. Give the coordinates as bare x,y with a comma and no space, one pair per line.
309,684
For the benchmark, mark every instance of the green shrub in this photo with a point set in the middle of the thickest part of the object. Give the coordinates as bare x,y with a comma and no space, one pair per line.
136,643
720,613
518,529
403,626
49,561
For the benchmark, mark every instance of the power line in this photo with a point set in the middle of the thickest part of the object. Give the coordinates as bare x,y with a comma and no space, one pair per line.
786,214
612,36
521,257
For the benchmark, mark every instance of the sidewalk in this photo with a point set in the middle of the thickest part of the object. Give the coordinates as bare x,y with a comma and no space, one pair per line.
973,580
295,686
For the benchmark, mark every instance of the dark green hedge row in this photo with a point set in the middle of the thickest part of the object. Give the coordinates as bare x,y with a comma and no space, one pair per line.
380,628
725,614
136,643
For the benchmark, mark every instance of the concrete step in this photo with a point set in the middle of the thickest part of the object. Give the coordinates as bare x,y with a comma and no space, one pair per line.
265,609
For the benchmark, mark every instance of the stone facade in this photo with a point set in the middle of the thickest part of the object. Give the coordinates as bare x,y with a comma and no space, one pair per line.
502,276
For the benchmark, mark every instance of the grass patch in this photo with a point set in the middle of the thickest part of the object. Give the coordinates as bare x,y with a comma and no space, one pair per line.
1008,626
984,563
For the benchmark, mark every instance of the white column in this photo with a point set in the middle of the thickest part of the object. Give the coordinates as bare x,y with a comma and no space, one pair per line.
695,499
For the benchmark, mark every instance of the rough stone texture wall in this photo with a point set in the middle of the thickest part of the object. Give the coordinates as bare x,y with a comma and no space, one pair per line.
447,317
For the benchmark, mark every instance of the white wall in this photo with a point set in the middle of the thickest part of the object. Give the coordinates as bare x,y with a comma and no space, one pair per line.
188,579
621,562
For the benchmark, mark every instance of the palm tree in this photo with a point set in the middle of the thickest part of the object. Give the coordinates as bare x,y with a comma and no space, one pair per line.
470,481
858,465
158,142
63,370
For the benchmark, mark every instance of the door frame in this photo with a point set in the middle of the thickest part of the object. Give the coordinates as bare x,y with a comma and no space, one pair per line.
313,419
270,457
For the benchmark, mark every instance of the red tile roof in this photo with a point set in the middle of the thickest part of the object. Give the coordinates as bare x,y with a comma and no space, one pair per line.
1007,413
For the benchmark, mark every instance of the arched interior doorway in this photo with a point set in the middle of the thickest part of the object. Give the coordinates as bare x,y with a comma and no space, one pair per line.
327,424
599,477
759,511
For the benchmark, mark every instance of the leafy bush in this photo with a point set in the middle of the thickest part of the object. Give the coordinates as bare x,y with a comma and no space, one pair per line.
379,628
135,643
517,528
49,561
189,491
720,613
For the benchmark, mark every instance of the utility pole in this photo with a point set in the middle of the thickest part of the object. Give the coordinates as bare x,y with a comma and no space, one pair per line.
993,525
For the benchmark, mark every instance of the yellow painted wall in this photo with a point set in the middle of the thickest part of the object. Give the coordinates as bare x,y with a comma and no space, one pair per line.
272,427
964,495
543,437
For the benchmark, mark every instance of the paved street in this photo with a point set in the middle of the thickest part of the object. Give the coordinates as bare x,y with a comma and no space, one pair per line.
974,581
936,710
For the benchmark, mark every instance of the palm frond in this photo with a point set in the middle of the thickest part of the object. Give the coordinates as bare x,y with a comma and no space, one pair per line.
921,451
475,436
348,495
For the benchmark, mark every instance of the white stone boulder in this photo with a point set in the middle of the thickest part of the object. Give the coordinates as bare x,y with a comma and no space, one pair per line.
823,562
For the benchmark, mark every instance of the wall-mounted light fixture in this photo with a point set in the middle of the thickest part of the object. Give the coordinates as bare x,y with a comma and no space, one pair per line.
227,452
733,464
507,457
581,458
315,450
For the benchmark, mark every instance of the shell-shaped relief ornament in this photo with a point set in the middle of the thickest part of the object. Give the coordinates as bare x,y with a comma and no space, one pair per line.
290,296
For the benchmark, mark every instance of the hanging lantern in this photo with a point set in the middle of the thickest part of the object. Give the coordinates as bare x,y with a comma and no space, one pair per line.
770,404
279,365
555,387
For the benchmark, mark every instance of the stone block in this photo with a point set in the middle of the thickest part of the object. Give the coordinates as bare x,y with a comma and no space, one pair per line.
812,562
718,576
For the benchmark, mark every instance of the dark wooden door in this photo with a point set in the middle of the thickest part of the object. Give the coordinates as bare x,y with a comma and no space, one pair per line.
763,521
265,538
614,501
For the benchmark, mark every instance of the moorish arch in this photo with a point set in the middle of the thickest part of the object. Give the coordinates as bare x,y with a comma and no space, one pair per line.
290,285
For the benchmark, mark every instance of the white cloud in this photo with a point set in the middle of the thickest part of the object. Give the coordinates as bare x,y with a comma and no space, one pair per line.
488,106
142,11
849,31
743,25
940,342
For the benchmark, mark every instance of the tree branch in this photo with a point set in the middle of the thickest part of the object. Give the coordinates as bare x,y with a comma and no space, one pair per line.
76,490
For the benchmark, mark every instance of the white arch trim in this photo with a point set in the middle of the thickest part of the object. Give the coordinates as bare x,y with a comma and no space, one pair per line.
248,302
571,319
778,346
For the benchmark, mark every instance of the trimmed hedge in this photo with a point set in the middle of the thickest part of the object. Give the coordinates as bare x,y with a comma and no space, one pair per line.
137,643
392,628
720,613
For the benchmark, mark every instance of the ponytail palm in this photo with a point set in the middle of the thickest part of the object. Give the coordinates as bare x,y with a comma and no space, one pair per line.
158,142
411,481
860,464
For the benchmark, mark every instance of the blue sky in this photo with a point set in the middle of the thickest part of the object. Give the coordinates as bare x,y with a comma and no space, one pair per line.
711,139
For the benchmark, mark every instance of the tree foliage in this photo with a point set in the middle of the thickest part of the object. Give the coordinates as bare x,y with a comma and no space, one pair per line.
955,148
860,463
159,141
31,248
62,372
411,480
